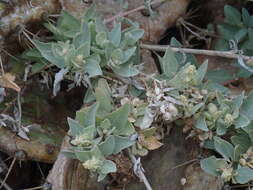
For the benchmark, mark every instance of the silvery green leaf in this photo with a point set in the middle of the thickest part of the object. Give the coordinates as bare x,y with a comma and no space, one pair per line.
68,24
238,151
86,155
242,121
108,50
125,131
227,31
147,119
119,117
197,108
250,34
221,128
83,37
115,35
243,140
90,131
245,17
69,154
101,177
92,67
122,143
224,148
238,101
132,36
182,58
117,55
107,147
87,116
222,45
212,165
169,64
125,70
108,167
90,13
100,25
249,131
89,96
101,38
201,124
211,86
247,106
241,35
83,50
105,124
202,71
103,96
46,51
56,31
244,175
75,127
177,81
232,15
219,76
128,54
31,53
57,81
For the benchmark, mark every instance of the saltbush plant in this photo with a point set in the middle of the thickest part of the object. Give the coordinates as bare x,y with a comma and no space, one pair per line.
123,114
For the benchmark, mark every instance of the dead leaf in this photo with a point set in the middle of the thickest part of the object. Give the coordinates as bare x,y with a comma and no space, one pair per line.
151,143
7,81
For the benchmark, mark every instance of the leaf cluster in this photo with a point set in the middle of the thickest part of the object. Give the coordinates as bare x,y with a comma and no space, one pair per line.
236,33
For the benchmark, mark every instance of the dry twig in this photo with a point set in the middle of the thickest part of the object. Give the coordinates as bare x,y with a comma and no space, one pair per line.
224,54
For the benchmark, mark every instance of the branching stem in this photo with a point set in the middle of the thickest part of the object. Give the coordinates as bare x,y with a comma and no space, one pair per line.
138,170
224,54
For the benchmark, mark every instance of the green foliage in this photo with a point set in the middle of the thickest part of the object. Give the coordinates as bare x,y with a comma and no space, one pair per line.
236,31
85,46
215,114
123,114
95,137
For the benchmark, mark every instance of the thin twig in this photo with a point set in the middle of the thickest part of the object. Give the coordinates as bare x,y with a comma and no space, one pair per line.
185,163
2,67
34,188
224,54
5,185
123,14
19,110
240,186
138,170
8,173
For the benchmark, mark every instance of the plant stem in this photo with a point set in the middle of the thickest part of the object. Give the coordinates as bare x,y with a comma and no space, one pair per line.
138,170
225,54
7,175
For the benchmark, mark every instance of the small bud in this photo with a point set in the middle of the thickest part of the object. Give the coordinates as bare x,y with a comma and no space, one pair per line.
204,92
243,162
167,116
79,58
191,69
227,174
136,101
183,99
124,101
157,91
172,109
93,164
183,181
64,51
212,108
229,120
